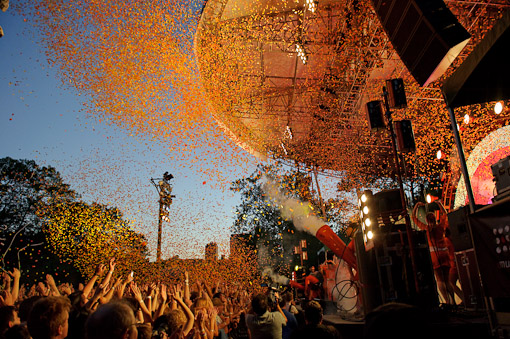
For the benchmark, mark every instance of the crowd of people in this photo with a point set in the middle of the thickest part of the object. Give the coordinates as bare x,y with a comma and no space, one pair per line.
108,307
118,307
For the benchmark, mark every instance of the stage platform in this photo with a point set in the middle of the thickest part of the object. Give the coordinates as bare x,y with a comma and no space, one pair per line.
445,324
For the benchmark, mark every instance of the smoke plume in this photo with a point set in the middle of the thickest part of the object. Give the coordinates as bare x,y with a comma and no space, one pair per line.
275,277
301,213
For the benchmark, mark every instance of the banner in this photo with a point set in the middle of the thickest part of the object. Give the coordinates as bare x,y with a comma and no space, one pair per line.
490,227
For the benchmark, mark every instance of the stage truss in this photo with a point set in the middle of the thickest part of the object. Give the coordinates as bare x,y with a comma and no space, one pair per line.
313,113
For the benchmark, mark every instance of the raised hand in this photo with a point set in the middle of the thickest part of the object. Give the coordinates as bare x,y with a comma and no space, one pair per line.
6,299
112,264
164,295
100,269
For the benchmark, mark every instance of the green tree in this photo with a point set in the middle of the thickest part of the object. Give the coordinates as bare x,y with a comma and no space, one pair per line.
273,236
93,233
26,191
45,228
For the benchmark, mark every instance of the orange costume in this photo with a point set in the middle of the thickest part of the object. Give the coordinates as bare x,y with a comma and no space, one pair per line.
437,241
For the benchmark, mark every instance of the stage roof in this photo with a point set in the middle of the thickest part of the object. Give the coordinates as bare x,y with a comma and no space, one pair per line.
312,113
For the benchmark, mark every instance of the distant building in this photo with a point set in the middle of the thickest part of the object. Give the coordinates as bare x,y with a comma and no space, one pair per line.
211,251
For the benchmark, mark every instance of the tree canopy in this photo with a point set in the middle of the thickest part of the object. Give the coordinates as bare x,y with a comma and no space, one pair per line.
273,235
46,228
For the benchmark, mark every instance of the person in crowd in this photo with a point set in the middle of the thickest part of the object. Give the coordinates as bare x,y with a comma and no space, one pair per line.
263,324
437,245
8,318
292,323
49,317
17,332
313,324
114,320
290,306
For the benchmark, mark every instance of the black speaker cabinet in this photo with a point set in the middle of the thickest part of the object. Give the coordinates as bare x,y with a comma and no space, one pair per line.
405,136
375,115
460,234
501,173
396,93
425,34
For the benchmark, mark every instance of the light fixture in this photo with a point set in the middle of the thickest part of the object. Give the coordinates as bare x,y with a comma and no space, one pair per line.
300,50
284,149
439,155
370,235
311,5
288,132
466,119
368,217
429,199
498,108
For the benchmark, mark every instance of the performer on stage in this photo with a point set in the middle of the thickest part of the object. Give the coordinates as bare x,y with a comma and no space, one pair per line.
438,246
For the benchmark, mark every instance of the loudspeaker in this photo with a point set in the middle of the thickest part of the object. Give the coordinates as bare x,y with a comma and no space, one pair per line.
469,279
375,115
460,234
396,93
425,34
501,173
405,136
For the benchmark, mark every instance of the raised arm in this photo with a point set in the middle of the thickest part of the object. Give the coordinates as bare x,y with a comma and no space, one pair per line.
53,286
16,274
189,315
106,279
187,300
138,296
90,284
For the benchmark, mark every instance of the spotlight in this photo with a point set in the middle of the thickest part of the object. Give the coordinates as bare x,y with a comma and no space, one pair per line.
466,119
429,199
498,108
312,5
367,212
439,155
300,50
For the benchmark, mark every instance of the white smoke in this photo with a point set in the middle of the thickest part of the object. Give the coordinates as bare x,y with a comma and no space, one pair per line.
275,277
301,213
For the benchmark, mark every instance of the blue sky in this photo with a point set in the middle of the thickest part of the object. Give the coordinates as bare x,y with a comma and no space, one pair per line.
41,119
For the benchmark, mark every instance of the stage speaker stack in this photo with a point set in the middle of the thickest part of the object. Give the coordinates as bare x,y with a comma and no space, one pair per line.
501,173
405,136
386,272
396,93
425,34
375,115
465,259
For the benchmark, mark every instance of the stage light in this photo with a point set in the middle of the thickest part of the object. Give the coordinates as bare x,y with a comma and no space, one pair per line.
312,5
370,235
498,108
367,212
288,132
466,119
429,199
300,50
439,154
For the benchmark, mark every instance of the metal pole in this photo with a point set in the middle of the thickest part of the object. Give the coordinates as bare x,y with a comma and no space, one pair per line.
462,159
402,195
160,222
